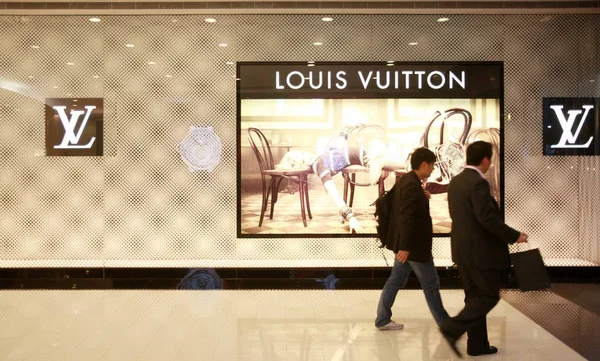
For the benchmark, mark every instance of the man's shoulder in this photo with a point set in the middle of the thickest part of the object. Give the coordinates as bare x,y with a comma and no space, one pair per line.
466,175
407,187
408,179
464,181
459,178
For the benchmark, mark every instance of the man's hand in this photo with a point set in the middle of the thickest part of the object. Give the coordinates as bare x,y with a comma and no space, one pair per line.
522,238
402,256
355,225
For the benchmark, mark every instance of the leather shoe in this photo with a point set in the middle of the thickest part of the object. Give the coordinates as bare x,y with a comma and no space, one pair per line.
489,351
451,342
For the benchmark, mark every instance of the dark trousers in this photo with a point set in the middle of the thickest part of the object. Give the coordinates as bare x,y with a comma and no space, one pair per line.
482,293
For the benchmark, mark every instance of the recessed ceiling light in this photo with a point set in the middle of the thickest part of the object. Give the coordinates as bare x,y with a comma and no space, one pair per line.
151,63
30,76
310,64
174,20
210,20
442,20
55,87
390,64
75,100
69,63
413,43
229,63
327,19
222,45
35,47
592,80
96,76
129,45
168,76
94,20
317,43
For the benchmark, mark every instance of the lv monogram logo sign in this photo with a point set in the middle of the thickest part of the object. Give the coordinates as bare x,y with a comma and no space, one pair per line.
74,127
567,126
571,126
71,139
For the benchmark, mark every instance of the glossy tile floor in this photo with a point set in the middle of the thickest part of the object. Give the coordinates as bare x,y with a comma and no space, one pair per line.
305,325
570,312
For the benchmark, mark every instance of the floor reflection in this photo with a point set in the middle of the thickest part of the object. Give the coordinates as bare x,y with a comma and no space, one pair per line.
571,323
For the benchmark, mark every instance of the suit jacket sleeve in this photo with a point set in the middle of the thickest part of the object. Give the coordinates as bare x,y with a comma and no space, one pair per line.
408,203
488,214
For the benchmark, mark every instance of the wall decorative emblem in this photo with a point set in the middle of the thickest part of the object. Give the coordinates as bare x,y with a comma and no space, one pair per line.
201,149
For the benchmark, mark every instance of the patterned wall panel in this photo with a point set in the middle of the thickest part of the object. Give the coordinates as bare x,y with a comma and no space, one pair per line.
52,207
589,189
542,193
140,206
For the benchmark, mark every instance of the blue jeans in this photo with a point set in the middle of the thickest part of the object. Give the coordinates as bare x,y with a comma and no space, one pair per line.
428,278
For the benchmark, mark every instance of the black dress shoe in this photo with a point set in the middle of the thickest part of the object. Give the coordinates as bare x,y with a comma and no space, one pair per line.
451,342
489,351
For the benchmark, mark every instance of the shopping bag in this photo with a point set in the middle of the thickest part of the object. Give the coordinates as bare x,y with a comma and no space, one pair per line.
530,270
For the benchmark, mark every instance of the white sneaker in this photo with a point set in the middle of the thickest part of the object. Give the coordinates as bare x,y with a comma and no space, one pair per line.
391,326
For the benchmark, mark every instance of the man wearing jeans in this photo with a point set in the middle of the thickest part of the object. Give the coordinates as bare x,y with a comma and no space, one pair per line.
410,237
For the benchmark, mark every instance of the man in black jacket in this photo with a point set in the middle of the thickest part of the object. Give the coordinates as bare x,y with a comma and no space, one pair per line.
410,236
479,242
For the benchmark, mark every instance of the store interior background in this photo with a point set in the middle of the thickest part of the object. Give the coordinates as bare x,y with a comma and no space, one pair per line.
139,206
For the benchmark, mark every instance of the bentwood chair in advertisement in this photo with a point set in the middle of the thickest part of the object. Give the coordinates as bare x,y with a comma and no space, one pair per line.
360,135
271,178
450,154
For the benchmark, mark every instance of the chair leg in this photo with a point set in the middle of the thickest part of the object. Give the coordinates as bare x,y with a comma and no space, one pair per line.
301,192
273,188
352,189
305,183
265,201
345,175
279,179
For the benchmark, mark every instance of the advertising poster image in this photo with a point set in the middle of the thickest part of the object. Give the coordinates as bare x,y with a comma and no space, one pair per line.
315,138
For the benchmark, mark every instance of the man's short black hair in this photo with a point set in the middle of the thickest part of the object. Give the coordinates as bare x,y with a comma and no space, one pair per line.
421,155
478,151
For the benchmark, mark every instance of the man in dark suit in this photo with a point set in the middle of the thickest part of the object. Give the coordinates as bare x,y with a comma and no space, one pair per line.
409,236
479,242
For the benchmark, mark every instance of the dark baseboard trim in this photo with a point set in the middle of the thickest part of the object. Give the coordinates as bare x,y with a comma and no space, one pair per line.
247,278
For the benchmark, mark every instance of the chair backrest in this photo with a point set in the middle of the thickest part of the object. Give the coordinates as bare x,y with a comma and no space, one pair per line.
367,130
261,148
468,120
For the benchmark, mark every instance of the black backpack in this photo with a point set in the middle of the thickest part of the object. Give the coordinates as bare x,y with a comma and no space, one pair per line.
383,215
